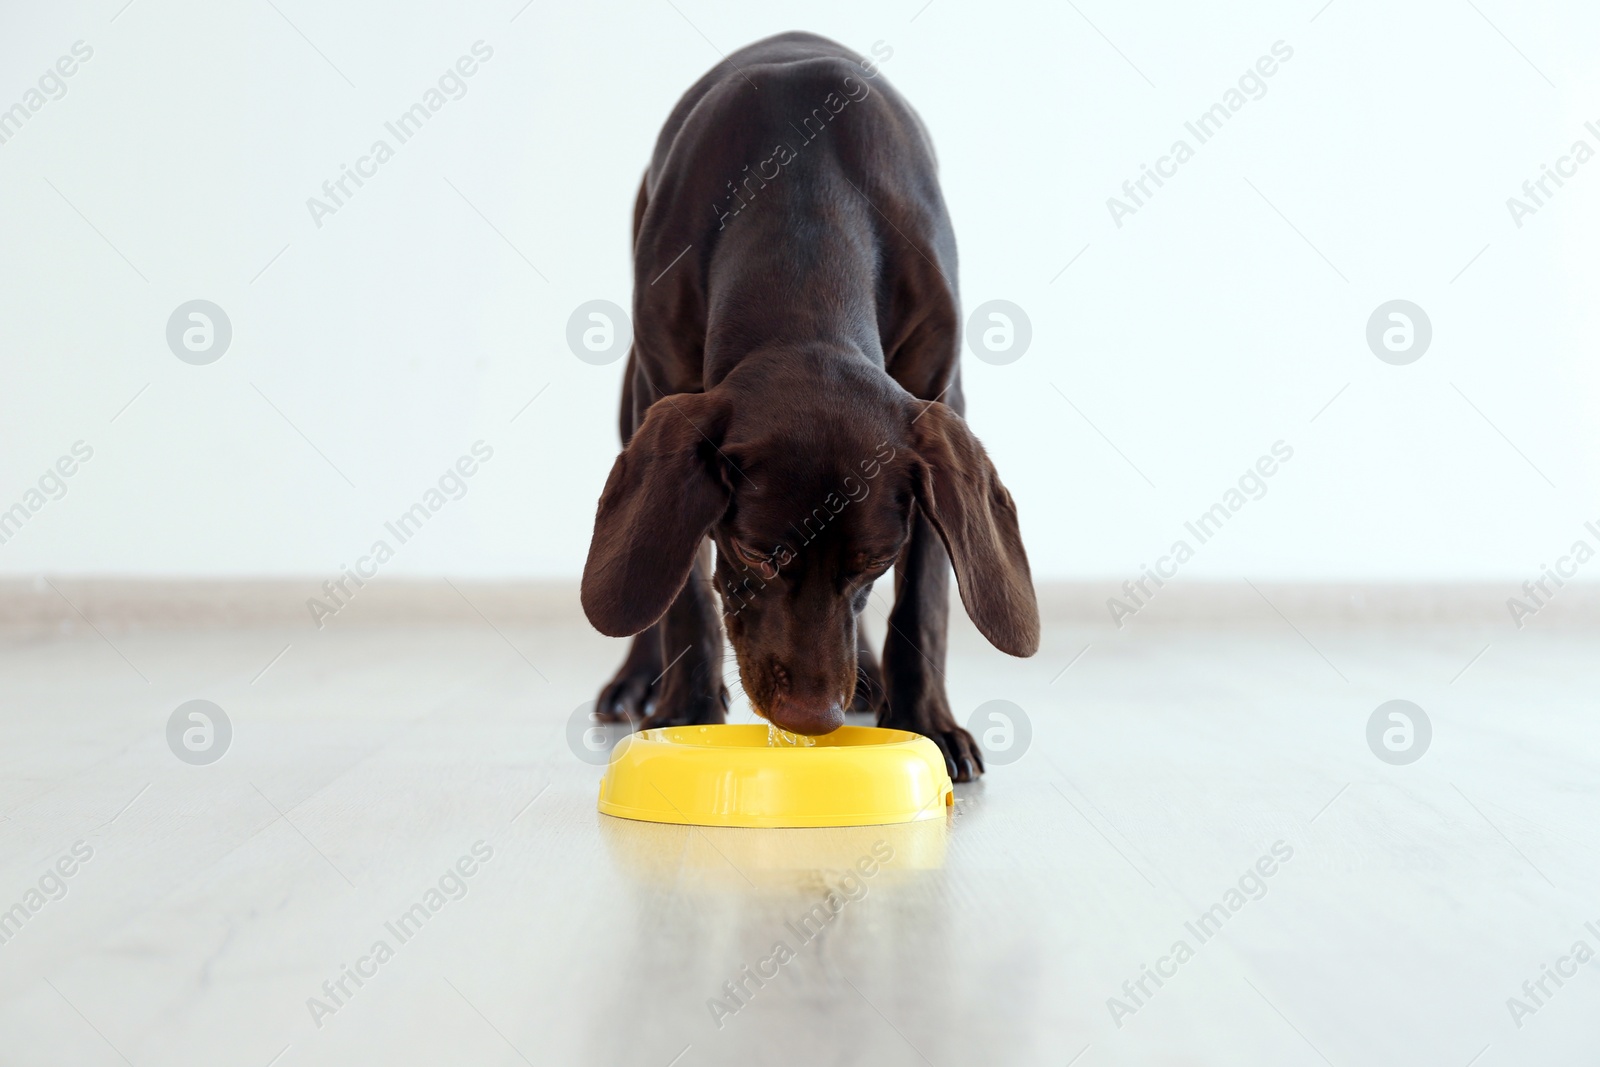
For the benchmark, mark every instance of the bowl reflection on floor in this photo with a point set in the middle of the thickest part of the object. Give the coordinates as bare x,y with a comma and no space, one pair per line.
734,858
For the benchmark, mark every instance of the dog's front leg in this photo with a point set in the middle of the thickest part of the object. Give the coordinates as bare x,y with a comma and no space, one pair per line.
914,653
690,690
628,695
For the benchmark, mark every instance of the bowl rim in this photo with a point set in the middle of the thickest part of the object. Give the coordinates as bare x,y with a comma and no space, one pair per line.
658,736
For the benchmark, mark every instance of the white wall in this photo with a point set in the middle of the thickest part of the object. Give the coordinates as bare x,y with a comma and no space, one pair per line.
404,328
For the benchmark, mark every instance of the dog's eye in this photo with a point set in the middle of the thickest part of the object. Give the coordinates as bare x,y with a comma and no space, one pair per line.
760,562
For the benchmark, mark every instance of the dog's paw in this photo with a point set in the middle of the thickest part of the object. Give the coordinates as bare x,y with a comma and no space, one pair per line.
697,710
626,698
962,756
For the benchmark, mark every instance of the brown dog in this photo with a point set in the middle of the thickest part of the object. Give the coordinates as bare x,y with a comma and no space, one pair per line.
796,326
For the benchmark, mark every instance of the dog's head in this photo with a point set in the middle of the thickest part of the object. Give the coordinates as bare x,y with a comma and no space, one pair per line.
810,494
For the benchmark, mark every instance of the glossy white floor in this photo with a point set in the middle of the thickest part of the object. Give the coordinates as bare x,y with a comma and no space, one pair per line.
1406,904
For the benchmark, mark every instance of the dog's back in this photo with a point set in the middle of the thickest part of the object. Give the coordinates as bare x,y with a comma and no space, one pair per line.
792,194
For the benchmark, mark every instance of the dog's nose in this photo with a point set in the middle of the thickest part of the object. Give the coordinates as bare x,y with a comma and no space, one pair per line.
809,717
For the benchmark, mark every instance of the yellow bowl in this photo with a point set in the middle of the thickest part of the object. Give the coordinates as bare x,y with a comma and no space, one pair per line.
732,776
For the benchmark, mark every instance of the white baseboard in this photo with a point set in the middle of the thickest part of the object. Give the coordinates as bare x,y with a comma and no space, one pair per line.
52,603
1315,603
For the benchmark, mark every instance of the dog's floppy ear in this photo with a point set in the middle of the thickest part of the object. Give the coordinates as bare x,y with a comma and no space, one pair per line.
664,492
959,491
